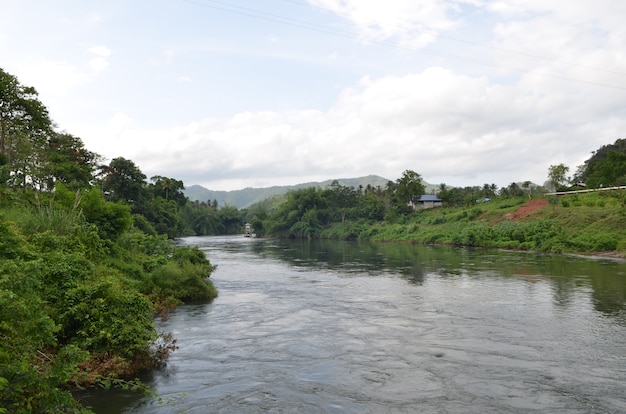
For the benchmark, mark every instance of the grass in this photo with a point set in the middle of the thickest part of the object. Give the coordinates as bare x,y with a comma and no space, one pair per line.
583,223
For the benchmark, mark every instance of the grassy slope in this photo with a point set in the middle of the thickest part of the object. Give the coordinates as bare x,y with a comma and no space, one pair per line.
589,223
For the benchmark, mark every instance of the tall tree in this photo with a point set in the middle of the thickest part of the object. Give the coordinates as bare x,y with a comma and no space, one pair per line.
124,181
409,187
24,130
594,173
557,174
610,171
341,198
69,162
169,189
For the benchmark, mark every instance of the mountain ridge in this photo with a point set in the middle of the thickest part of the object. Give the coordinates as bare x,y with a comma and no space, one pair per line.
247,196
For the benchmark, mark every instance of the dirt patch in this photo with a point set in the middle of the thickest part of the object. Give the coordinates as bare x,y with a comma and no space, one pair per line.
528,208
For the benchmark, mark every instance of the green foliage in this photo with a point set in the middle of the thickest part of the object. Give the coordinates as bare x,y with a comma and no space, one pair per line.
25,128
183,282
200,219
163,217
606,167
64,303
112,219
31,380
78,287
557,174
124,181
168,189
11,245
69,162
101,316
409,187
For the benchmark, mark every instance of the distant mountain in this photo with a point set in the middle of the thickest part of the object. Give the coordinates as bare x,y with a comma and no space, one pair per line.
248,196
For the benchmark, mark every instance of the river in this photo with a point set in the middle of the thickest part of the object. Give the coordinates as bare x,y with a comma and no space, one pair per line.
340,327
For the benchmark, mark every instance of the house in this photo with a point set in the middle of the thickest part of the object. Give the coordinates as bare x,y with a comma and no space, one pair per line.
428,201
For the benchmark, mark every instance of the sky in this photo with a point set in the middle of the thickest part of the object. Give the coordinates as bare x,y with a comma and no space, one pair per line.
254,93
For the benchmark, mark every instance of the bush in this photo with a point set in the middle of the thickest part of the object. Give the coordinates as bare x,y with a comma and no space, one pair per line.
36,379
103,317
183,282
112,219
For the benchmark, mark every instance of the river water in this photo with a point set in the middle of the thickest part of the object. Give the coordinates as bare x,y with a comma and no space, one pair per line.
339,327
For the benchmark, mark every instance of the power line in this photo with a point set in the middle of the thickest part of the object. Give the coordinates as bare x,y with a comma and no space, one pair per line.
274,18
465,41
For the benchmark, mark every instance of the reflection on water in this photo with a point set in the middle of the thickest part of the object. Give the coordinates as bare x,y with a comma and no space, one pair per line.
347,327
568,274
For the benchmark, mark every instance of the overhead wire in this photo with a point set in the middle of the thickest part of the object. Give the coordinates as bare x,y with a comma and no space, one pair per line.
261,15
464,41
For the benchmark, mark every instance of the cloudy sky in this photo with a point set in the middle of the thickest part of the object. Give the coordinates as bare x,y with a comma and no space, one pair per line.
252,93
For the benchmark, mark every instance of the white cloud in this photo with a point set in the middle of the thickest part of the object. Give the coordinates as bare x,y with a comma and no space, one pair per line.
102,51
52,78
448,127
98,64
410,22
535,99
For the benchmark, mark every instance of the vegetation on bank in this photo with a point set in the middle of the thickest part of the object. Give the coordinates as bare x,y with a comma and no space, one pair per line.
577,223
590,223
77,306
86,259
484,216
85,263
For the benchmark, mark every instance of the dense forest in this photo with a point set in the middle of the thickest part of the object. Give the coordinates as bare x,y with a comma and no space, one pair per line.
85,262
86,258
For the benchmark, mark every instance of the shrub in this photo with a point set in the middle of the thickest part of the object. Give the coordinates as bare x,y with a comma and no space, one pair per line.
103,317
474,213
112,219
182,282
36,379
475,234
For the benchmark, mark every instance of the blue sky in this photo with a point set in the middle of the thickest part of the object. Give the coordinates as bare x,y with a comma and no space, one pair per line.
240,93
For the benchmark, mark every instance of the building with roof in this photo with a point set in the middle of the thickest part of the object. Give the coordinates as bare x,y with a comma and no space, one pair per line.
427,201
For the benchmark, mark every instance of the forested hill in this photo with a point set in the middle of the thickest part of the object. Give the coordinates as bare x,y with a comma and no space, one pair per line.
248,196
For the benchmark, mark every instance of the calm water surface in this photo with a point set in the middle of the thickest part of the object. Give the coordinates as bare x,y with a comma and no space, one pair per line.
332,327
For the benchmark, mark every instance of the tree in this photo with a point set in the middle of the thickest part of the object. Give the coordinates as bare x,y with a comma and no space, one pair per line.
605,167
169,189
512,190
341,198
452,196
611,171
527,185
557,176
230,219
164,217
24,130
124,181
69,162
409,187
371,206
112,219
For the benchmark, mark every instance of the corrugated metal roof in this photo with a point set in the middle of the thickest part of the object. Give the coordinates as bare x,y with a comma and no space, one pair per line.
429,197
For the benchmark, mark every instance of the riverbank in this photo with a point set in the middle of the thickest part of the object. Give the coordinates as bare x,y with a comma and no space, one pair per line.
587,224
77,308
330,326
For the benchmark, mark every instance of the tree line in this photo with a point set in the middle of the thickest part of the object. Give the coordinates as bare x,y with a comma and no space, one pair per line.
85,262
